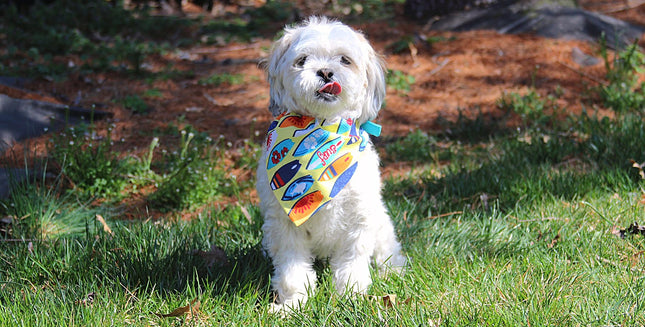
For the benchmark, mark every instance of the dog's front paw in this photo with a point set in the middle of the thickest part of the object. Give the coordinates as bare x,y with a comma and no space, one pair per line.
278,309
352,277
283,309
395,265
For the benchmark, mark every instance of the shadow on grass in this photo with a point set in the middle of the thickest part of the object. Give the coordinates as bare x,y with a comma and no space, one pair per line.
593,156
172,257
473,129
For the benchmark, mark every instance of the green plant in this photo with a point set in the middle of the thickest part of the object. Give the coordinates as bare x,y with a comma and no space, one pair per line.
87,160
532,108
416,146
399,80
223,78
263,20
401,45
168,73
221,31
132,51
364,10
135,103
140,170
192,174
152,93
622,93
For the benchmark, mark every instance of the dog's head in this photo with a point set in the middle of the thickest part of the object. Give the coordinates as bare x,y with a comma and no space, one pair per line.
323,68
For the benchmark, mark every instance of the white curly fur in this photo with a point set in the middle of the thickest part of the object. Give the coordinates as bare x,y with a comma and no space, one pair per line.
353,228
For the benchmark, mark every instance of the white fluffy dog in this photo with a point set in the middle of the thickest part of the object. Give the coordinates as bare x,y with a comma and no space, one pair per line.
325,80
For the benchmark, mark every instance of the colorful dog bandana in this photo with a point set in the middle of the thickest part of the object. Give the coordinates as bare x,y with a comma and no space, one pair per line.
310,161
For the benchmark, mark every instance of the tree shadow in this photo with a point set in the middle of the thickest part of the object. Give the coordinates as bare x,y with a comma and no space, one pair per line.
474,126
168,258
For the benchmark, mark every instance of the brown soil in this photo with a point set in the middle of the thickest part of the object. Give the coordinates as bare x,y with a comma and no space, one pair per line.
464,72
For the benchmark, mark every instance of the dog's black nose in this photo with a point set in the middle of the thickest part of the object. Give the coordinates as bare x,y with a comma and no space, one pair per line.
325,74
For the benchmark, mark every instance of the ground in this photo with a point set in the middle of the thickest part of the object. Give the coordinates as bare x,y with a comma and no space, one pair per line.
464,72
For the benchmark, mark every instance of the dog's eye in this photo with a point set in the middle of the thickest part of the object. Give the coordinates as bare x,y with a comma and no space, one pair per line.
345,61
301,61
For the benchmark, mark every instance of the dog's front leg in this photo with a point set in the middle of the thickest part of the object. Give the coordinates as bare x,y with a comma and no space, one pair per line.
294,275
350,265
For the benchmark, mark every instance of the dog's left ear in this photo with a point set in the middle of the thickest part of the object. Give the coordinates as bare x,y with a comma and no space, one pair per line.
375,70
272,66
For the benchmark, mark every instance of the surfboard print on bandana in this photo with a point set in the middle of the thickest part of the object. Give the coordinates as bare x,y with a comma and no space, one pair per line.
311,161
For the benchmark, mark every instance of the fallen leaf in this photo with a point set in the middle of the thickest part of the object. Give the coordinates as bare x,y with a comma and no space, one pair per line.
413,53
190,310
554,241
639,167
389,300
88,300
445,214
633,229
106,228
636,258
246,213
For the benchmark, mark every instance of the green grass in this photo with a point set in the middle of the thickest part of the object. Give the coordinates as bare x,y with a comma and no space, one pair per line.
551,263
105,37
503,226
140,270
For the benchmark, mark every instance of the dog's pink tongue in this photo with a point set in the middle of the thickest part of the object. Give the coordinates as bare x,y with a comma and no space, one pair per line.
331,88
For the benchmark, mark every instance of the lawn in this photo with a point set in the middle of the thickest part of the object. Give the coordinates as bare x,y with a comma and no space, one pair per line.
534,218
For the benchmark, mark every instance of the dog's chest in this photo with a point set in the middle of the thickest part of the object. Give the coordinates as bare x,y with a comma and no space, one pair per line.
331,227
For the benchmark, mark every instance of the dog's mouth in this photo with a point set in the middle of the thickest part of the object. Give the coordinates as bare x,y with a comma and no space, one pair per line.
329,91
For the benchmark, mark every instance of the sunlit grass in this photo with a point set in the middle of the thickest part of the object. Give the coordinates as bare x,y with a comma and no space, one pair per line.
503,227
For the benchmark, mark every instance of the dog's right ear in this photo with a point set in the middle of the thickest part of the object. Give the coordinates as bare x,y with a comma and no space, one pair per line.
272,65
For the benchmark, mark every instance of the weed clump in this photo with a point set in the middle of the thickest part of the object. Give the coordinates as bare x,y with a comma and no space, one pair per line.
192,175
87,159
399,81
622,93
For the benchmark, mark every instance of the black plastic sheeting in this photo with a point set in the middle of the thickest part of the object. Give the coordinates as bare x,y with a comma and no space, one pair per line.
23,119
551,22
